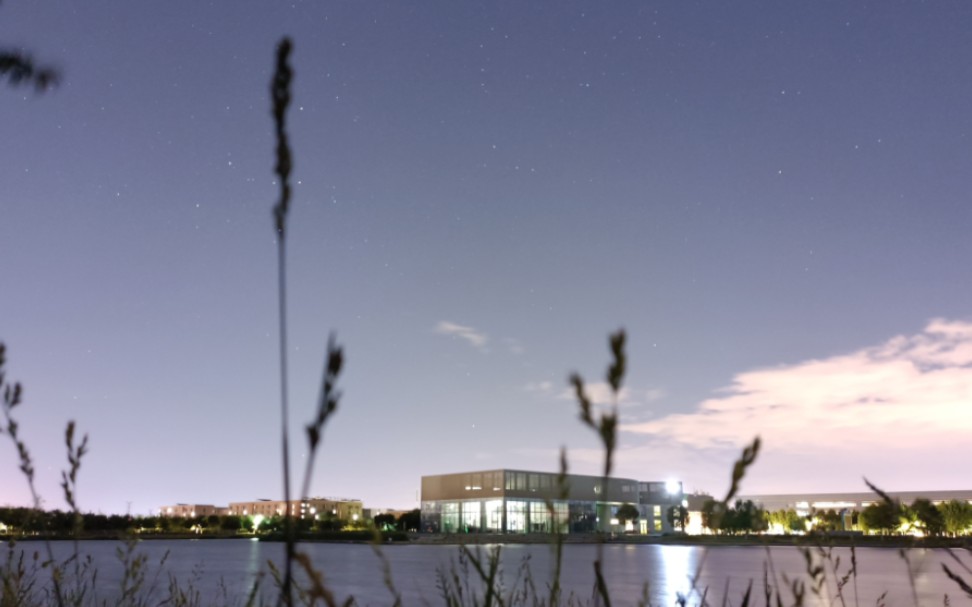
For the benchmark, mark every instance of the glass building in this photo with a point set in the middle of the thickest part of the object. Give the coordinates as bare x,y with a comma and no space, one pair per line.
520,501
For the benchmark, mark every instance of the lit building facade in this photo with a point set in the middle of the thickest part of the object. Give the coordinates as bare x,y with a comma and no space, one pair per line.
315,508
191,510
807,503
521,501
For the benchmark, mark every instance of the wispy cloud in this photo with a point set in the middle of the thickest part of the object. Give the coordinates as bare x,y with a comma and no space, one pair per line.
539,387
911,391
476,338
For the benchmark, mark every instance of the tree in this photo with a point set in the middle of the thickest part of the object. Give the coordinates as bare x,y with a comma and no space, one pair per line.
385,522
712,514
230,523
744,517
883,516
929,518
677,516
828,520
956,516
627,512
794,522
411,520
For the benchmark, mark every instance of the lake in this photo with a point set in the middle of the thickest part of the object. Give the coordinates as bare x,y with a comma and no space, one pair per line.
226,569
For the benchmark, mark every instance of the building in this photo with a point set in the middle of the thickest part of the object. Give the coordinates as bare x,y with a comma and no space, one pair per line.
191,510
520,501
654,500
312,508
807,503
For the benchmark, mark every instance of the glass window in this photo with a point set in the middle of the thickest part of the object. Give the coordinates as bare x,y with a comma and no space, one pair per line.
521,481
509,481
450,517
494,516
471,515
516,516
534,480
539,518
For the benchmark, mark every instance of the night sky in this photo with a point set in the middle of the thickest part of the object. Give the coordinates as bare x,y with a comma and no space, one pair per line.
772,198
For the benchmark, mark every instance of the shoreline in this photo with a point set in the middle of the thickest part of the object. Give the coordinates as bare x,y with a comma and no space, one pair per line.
414,539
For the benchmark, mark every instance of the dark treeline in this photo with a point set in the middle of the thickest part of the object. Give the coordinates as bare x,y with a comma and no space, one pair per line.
884,517
25,522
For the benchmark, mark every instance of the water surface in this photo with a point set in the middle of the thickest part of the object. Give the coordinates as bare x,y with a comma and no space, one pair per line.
227,569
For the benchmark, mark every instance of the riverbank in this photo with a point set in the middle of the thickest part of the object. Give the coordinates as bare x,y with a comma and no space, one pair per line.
366,537
845,540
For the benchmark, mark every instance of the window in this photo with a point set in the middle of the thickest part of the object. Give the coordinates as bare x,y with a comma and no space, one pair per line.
450,517
471,516
494,516
516,515
539,518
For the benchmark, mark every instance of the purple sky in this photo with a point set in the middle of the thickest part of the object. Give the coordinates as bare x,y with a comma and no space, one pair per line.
772,198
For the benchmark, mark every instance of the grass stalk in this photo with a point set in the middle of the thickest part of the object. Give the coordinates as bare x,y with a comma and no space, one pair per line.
280,96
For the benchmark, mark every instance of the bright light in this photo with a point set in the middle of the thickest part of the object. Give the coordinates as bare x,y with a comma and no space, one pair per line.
354,517
256,521
673,487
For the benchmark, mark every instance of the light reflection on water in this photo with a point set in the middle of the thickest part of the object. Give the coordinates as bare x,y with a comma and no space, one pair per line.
225,570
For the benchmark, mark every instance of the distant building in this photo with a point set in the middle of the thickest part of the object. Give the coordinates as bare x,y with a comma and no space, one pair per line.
806,503
312,508
521,501
191,510
693,504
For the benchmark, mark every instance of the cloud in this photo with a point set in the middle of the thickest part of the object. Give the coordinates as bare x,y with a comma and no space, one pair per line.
541,387
476,338
909,392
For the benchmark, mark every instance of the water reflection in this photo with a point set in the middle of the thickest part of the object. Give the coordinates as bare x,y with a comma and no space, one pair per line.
678,565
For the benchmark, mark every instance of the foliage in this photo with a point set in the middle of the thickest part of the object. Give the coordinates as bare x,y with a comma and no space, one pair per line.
956,516
883,517
828,520
410,521
677,516
787,520
385,522
743,517
627,512
929,518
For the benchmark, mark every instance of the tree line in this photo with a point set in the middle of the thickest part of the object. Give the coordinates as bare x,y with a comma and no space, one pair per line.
28,521
885,517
